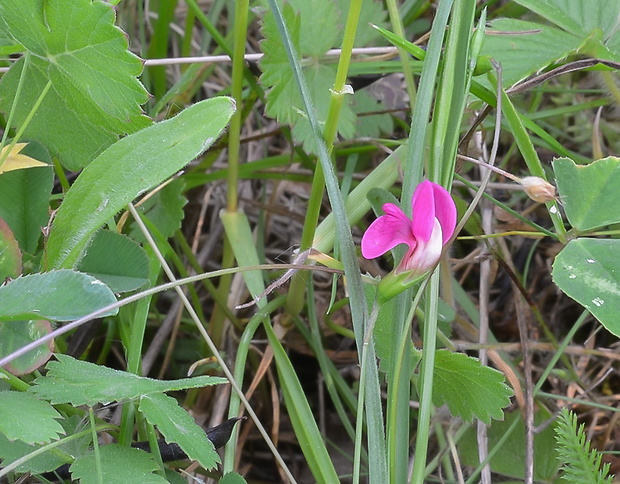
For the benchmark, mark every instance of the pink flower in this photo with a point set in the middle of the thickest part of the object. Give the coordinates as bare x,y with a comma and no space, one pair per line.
434,220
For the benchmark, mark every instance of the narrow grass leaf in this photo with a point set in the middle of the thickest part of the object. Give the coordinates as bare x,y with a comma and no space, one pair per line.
304,423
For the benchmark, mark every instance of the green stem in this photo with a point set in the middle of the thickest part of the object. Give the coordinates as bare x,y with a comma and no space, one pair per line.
397,27
426,379
295,300
531,159
24,125
234,133
397,380
239,372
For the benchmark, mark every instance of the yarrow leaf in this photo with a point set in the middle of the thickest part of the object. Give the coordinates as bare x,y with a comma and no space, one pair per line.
581,464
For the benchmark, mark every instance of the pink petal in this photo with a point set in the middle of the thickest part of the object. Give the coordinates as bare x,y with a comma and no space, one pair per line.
423,204
445,211
387,232
424,257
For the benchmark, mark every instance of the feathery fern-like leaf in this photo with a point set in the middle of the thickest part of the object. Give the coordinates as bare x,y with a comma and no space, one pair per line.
581,464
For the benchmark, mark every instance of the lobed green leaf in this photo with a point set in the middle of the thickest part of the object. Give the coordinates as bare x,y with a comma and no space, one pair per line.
95,95
176,425
25,417
468,388
82,383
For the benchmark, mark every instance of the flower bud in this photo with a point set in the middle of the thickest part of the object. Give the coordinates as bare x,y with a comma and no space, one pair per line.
538,189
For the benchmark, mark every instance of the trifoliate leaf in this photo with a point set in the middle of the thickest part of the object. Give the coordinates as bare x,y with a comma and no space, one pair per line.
95,96
15,161
468,388
119,465
24,417
176,425
82,383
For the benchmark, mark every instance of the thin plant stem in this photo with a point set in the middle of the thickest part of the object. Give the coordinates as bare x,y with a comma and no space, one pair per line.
426,379
397,27
212,347
234,133
295,299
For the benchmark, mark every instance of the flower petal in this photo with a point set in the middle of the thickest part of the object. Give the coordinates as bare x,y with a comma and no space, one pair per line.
387,232
425,255
445,211
423,206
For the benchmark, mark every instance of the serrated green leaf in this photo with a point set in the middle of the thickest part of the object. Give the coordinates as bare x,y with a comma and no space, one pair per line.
129,167
10,255
46,461
582,17
370,121
526,47
176,425
82,383
62,295
588,270
164,210
283,99
276,70
10,451
17,334
468,388
24,417
232,478
320,26
589,193
320,80
119,465
95,95
116,260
